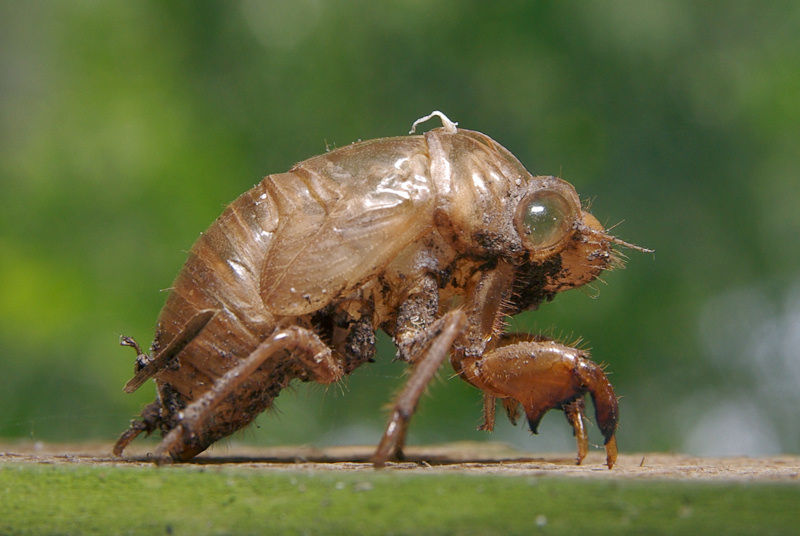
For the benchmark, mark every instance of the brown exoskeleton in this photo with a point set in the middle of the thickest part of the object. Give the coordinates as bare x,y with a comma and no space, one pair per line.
433,238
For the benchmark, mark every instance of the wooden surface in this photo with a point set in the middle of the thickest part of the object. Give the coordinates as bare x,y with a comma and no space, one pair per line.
476,458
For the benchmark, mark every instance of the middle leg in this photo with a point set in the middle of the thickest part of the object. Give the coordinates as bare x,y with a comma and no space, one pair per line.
442,334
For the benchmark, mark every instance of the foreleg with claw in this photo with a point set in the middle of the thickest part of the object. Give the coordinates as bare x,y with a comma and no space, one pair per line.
541,375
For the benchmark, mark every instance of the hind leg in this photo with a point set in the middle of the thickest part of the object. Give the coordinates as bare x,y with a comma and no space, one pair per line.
313,357
151,420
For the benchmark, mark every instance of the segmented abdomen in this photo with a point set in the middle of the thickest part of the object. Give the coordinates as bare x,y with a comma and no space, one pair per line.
222,274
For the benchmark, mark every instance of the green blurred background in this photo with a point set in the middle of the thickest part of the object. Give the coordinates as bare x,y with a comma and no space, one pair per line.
125,128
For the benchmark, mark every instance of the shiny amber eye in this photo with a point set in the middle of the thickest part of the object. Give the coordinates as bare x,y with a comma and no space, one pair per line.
544,219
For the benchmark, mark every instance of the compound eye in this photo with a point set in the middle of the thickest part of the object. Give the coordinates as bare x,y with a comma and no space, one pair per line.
544,219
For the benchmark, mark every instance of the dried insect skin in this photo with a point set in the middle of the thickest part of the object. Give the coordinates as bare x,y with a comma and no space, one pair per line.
435,239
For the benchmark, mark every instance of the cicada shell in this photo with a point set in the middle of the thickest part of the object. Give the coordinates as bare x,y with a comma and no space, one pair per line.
433,238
